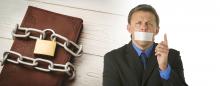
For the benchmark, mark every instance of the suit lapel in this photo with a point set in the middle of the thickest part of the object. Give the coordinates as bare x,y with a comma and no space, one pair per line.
137,68
134,62
151,63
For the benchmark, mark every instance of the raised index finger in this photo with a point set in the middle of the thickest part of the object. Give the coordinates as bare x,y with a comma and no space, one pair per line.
165,39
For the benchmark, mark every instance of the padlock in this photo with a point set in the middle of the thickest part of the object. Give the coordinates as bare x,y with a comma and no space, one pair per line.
45,47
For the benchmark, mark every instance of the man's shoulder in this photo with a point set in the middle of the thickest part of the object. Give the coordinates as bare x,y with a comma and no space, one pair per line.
116,52
174,56
173,52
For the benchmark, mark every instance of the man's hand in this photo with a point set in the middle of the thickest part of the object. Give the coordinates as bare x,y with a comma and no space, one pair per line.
161,51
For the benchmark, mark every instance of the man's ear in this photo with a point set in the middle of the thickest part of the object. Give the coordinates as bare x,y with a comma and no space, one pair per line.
157,30
129,28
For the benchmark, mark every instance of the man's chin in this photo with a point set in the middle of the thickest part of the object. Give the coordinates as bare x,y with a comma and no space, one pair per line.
144,43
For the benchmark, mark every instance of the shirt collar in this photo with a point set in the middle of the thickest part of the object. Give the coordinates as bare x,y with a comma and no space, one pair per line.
148,51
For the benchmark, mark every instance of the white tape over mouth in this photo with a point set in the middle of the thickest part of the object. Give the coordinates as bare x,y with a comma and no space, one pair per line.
143,36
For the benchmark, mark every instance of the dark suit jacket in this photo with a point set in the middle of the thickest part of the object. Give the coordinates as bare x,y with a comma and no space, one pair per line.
122,67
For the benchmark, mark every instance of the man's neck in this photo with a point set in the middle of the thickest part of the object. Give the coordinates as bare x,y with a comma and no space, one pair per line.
143,48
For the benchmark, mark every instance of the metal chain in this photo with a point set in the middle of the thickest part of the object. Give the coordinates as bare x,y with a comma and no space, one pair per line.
68,45
17,58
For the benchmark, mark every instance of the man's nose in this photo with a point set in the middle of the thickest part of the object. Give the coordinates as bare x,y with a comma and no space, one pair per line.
143,29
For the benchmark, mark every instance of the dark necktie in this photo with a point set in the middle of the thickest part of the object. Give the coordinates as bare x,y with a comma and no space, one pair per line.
143,59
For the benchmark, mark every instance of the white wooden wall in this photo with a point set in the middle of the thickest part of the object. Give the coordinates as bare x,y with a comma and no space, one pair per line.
104,29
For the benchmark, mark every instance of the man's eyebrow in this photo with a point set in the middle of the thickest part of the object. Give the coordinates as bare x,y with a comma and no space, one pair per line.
148,20
151,19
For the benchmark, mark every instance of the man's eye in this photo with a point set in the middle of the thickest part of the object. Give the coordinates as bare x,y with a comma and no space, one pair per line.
150,24
138,23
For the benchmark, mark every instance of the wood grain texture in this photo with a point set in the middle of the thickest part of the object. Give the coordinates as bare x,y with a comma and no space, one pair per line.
102,32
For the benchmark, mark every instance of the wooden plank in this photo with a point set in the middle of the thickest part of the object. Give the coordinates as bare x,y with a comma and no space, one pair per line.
5,45
12,12
89,17
99,42
89,71
115,7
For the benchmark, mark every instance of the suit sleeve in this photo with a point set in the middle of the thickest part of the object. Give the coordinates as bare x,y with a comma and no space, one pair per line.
110,75
176,75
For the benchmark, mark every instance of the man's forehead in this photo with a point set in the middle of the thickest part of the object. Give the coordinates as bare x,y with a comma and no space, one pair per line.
143,15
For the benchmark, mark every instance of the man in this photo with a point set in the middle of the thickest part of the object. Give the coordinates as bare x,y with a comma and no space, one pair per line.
143,62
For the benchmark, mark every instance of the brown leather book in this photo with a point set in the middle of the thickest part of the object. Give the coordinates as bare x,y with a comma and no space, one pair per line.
22,75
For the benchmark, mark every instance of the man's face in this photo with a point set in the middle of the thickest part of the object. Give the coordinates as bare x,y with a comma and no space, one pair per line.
143,21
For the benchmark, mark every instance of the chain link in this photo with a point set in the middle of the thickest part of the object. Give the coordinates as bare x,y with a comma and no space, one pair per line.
26,62
29,30
66,44
5,56
67,68
37,60
19,35
78,53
